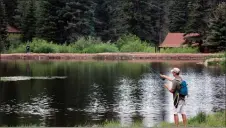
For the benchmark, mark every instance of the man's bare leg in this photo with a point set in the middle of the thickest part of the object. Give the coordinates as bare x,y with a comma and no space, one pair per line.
184,120
176,120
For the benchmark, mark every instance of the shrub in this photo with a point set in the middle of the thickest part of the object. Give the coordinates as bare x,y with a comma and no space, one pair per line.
180,50
100,48
132,43
136,46
42,46
83,43
126,39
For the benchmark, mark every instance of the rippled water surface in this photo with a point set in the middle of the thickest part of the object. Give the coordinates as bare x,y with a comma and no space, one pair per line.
79,93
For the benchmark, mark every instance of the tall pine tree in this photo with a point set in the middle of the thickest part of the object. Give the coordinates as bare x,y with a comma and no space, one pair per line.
216,36
51,22
118,24
29,23
3,25
198,17
81,20
102,20
10,7
178,15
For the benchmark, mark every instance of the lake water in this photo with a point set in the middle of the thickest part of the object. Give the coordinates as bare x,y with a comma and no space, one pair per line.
71,93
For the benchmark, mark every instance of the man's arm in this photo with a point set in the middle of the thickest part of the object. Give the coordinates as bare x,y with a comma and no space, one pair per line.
171,90
166,77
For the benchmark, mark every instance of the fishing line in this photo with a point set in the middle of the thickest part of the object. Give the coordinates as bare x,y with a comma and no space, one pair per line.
156,73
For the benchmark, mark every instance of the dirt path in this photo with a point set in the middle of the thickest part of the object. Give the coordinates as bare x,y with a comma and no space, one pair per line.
106,56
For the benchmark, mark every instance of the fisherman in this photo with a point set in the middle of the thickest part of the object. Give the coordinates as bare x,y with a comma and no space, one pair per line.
179,100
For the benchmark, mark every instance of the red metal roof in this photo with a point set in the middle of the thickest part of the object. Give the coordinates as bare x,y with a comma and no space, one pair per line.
11,29
191,35
173,40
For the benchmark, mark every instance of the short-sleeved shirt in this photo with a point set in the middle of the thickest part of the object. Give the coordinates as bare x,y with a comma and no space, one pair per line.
176,86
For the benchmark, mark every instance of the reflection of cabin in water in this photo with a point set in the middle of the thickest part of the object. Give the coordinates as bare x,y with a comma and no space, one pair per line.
13,33
180,40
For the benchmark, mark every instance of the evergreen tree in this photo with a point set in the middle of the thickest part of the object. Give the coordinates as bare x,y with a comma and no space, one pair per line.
81,20
147,17
102,20
3,25
21,12
198,17
216,36
10,7
51,22
118,22
29,23
143,20
178,15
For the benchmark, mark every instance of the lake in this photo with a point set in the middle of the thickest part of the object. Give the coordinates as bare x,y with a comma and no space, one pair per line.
80,93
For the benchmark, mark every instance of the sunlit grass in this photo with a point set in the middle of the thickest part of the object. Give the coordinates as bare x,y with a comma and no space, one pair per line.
179,50
203,120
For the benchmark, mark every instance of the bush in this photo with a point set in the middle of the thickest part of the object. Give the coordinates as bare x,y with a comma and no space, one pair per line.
83,43
42,46
180,50
100,48
223,63
132,43
126,39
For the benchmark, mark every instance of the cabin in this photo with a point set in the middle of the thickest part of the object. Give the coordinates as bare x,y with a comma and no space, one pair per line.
13,34
177,40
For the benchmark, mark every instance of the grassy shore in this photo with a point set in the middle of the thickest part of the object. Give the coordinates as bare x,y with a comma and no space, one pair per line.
201,120
217,119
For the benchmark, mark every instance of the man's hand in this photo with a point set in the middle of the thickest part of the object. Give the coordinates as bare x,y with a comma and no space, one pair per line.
163,76
166,77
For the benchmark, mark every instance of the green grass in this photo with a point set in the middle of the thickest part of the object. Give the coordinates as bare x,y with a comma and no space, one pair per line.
179,50
101,48
132,43
203,120
222,64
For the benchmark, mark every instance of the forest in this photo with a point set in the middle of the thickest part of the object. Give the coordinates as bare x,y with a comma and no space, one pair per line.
66,21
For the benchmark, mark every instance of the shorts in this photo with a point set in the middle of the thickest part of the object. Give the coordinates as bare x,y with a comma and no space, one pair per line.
180,108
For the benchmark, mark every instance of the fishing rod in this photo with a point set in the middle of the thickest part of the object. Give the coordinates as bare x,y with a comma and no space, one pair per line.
157,73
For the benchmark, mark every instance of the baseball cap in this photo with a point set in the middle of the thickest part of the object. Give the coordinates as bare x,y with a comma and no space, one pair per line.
176,70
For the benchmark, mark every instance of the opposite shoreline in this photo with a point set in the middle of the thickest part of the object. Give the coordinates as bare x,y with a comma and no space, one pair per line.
108,56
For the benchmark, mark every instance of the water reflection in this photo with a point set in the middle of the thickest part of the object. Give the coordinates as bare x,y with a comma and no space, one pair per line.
94,92
152,98
96,107
37,107
125,105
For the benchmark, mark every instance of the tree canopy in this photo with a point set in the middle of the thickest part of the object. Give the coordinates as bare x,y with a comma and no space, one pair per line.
64,21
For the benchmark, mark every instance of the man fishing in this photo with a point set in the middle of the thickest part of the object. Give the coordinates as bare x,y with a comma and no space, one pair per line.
179,100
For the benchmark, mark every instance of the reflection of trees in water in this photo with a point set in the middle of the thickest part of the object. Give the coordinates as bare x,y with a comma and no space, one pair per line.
36,109
96,104
200,87
152,97
115,90
125,101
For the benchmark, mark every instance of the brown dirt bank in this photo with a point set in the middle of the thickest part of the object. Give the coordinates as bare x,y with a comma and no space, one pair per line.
107,56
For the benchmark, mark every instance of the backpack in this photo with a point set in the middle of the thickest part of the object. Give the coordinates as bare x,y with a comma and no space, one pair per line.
183,89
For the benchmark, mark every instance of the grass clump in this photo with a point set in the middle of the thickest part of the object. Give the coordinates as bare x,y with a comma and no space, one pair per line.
101,48
203,120
83,43
116,124
180,50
